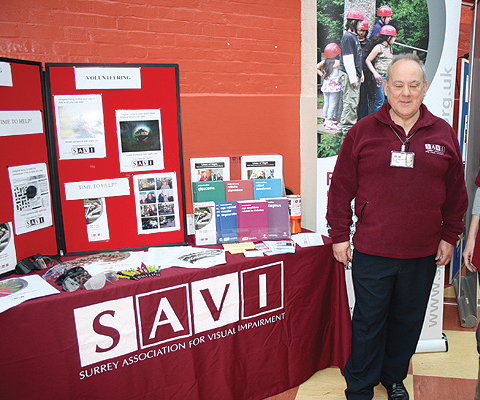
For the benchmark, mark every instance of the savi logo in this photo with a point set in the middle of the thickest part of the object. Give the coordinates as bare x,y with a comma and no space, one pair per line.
110,329
434,149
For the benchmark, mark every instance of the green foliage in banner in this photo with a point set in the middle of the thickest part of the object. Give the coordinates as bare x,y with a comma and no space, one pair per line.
329,145
410,18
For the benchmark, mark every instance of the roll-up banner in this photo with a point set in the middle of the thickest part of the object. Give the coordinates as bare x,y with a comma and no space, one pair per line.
439,53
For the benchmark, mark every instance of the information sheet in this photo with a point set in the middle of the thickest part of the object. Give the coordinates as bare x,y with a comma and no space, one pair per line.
140,142
31,197
108,78
14,291
6,74
80,126
20,122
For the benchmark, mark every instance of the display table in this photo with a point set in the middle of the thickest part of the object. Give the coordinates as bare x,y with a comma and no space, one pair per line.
248,329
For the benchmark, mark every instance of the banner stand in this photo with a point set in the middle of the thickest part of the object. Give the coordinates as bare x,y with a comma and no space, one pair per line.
432,339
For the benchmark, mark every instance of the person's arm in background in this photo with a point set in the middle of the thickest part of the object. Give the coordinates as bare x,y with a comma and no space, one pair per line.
472,233
369,64
349,63
320,68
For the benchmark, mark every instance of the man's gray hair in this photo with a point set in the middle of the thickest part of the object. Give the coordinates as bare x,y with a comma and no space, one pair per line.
407,56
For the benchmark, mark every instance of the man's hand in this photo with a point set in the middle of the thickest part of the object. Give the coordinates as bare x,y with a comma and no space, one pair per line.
444,253
342,252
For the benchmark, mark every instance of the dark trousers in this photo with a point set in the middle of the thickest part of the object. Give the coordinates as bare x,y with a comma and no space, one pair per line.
391,297
364,102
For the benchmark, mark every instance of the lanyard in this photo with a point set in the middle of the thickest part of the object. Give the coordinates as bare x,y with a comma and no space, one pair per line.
407,140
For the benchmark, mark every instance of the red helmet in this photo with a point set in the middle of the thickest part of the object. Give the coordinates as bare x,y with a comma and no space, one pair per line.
364,25
388,30
332,50
384,11
355,14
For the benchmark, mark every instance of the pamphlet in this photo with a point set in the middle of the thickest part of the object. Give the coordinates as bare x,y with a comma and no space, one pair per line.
308,239
226,215
208,191
239,190
262,167
252,220
14,291
238,248
8,256
205,223
96,219
267,188
278,219
210,169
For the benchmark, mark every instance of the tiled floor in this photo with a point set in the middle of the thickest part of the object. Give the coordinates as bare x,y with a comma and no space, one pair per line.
450,375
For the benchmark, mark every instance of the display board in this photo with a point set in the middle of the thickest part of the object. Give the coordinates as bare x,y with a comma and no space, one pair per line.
25,203
115,136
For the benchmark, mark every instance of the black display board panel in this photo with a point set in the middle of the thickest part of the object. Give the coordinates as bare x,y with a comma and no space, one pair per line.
159,90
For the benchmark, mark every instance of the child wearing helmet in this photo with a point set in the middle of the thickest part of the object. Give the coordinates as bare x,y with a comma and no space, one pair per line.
379,60
350,71
328,70
384,14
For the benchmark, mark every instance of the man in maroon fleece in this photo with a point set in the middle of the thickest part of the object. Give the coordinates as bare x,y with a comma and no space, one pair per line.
403,167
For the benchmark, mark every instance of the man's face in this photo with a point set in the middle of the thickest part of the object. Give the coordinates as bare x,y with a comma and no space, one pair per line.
405,88
387,20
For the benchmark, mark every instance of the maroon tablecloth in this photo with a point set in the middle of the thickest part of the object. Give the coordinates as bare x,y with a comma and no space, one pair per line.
248,329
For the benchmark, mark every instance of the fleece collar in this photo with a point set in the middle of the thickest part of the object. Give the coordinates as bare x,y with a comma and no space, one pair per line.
426,117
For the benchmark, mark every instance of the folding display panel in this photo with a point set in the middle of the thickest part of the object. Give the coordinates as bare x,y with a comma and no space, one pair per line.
115,136
23,145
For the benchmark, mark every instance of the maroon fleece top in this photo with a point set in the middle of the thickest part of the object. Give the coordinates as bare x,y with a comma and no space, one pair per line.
402,212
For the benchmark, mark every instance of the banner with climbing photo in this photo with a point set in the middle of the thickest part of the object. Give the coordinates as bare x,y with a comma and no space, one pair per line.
429,28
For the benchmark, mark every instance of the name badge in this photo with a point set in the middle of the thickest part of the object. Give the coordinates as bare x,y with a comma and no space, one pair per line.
402,159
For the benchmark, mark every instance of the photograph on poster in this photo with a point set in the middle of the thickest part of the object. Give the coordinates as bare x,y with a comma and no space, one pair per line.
139,135
156,198
210,169
80,126
411,23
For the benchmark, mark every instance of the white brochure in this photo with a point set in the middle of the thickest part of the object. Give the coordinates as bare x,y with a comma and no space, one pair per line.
31,197
8,255
80,126
97,220
140,143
